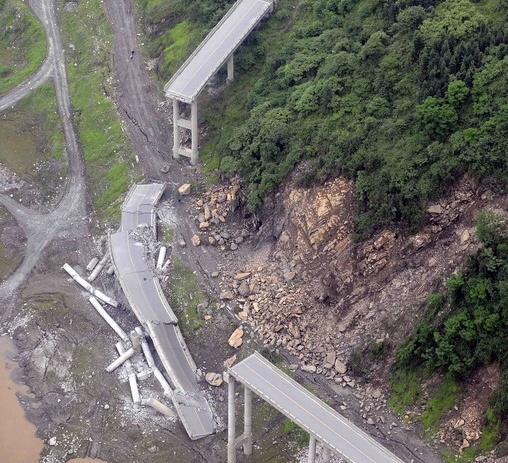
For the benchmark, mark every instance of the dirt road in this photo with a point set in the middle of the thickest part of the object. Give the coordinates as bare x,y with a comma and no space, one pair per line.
68,216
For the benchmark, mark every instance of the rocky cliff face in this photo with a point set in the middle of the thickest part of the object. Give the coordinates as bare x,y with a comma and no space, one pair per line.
330,301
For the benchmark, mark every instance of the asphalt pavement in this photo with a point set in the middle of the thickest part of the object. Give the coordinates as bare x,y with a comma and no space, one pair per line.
310,413
216,48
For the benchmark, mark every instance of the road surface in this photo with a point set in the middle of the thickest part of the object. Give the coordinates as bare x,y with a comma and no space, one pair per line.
148,302
310,413
215,49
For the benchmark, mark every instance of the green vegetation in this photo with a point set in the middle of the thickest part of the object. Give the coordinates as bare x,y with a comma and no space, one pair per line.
176,27
465,327
22,43
401,97
7,262
108,155
31,135
442,401
405,390
184,296
297,434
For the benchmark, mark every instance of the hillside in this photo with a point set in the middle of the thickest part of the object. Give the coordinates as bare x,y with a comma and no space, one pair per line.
382,129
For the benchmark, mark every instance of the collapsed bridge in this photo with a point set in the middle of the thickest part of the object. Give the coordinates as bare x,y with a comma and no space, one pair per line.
145,296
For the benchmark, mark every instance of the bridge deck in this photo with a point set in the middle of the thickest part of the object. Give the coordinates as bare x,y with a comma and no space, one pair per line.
216,48
150,306
310,413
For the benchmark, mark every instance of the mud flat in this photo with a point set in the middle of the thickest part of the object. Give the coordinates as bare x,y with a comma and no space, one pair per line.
85,460
18,443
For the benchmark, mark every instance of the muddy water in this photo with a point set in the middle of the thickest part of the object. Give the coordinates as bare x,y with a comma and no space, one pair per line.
18,443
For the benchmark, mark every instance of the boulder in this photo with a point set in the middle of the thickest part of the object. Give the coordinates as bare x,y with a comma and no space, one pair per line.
185,189
340,367
214,379
196,241
228,363
235,340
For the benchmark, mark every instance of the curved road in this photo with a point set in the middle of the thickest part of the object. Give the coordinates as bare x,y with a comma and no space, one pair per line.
68,215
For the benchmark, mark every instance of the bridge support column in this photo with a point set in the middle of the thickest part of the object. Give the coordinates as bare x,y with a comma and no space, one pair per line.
231,421
231,68
312,449
194,132
247,421
176,129
327,455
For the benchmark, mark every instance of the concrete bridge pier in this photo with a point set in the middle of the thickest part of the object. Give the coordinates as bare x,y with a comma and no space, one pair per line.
191,125
312,449
247,422
245,439
231,421
231,68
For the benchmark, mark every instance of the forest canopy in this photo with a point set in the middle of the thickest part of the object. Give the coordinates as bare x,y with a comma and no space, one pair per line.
403,97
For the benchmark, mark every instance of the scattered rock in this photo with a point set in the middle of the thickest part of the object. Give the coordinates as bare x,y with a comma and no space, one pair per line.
340,367
242,276
376,394
370,421
309,368
435,209
207,317
214,274
235,340
244,289
226,295
243,315
185,189
52,441
165,168
214,379
196,241
228,363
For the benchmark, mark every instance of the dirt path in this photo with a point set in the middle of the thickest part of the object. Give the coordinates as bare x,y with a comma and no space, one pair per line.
68,218
140,104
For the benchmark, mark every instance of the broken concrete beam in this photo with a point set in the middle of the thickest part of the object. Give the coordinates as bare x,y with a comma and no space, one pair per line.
102,312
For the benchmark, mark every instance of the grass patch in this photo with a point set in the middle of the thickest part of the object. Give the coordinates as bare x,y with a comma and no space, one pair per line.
184,296
8,263
168,234
292,430
109,158
440,403
32,141
22,44
405,390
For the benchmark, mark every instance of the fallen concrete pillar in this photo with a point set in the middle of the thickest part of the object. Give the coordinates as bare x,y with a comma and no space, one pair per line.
163,382
132,377
146,348
102,312
159,406
88,286
145,374
135,340
98,268
91,265
162,256
125,356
